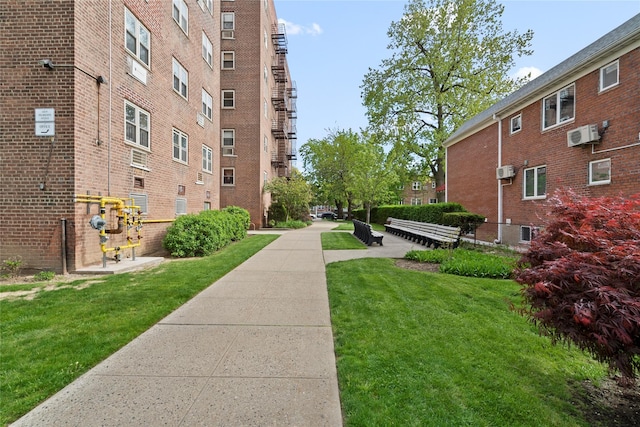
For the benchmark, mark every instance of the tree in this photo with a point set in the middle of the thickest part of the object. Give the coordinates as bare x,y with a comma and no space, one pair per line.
293,193
373,176
450,60
581,277
329,162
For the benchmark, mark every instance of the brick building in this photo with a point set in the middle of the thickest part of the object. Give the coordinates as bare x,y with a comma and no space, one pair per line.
576,126
418,192
258,105
123,101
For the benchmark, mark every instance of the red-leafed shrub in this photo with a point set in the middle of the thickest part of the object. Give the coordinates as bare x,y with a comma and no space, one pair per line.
581,277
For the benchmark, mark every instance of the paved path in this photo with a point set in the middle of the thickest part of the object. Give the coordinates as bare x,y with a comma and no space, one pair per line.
253,349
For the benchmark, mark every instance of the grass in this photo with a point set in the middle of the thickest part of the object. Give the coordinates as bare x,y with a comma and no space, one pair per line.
340,240
467,262
432,349
51,340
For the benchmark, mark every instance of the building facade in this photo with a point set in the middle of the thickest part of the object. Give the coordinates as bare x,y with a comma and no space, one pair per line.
258,109
109,104
576,126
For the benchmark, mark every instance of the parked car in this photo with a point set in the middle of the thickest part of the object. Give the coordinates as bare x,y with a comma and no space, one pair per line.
329,215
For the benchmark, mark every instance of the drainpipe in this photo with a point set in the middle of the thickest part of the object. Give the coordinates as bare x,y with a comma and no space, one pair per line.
63,244
500,213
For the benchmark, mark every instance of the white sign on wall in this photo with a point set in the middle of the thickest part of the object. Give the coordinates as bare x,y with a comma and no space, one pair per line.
45,121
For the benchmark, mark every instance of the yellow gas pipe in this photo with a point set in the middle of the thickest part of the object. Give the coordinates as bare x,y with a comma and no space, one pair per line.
123,212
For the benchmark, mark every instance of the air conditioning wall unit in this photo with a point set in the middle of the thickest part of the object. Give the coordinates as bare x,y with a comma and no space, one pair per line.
228,34
505,172
583,135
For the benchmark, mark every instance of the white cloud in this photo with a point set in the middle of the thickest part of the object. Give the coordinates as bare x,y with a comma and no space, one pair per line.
296,29
524,71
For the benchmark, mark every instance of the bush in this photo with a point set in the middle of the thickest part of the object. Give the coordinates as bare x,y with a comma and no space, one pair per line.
581,277
44,276
11,267
204,233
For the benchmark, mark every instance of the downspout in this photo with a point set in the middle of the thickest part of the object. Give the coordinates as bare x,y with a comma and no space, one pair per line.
500,210
110,100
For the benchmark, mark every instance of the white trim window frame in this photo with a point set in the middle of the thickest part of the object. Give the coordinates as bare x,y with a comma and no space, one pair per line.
228,60
610,75
207,50
228,142
137,38
181,206
207,159
180,79
515,124
180,146
600,172
209,4
534,185
416,186
416,201
137,126
228,21
181,15
207,105
228,177
559,107
140,200
228,99
526,233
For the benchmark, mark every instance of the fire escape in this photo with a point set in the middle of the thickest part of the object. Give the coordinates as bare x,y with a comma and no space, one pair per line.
283,98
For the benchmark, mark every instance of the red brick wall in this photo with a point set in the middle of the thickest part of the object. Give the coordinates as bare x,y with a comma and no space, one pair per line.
567,167
89,37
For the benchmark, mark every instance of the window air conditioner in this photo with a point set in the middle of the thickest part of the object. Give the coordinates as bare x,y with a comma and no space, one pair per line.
228,34
505,172
583,135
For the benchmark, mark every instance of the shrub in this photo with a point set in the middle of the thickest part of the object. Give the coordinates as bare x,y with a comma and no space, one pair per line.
292,223
204,233
581,277
11,267
44,276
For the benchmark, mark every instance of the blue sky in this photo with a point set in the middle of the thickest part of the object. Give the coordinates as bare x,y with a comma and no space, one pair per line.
333,43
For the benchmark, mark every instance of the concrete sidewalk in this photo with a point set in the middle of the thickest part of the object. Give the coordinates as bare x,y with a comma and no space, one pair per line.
253,349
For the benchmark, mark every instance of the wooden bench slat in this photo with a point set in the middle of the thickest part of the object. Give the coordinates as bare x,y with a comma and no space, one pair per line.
366,234
424,232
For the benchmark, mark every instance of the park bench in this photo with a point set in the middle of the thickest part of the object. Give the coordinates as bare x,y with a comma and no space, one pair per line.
424,233
365,233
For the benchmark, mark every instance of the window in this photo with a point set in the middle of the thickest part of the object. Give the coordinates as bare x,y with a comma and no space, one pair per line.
609,75
516,123
181,15
600,172
228,60
228,21
432,201
207,49
181,207
228,142
535,182
416,201
559,107
228,176
207,206
136,126
207,159
416,186
209,4
265,144
207,105
228,99
433,184
137,38
180,146
526,233
180,79
265,178
141,201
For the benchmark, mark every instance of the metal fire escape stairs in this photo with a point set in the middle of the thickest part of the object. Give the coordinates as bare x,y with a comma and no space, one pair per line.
283,98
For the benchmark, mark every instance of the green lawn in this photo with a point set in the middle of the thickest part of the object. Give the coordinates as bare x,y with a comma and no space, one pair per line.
49,341
340,240
432,349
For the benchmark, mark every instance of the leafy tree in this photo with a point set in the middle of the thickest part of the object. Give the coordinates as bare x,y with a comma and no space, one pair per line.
292,193
331,161
581,277
372,178
450,60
